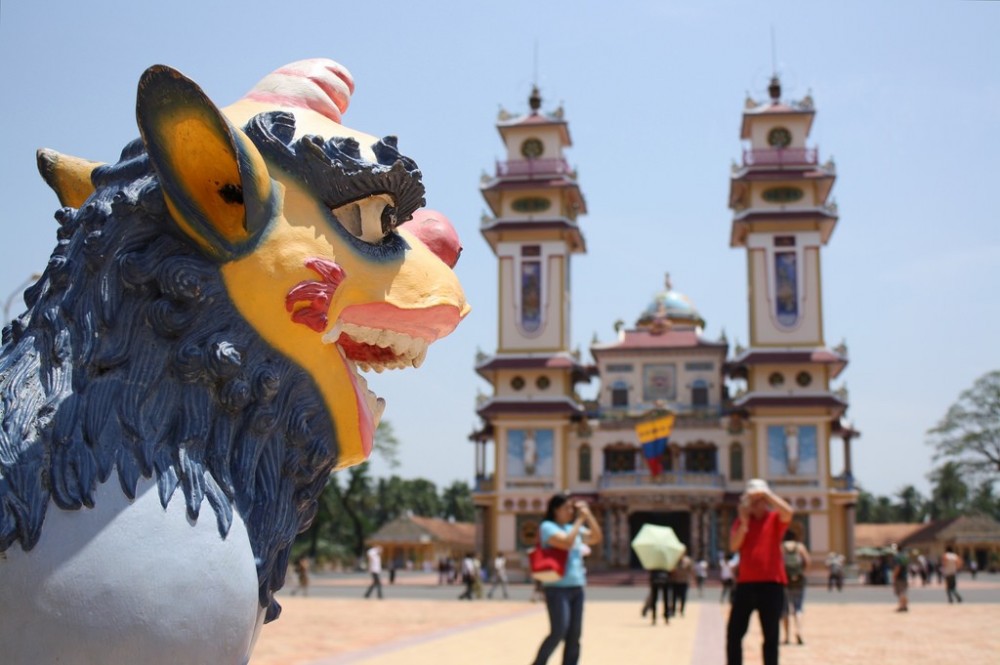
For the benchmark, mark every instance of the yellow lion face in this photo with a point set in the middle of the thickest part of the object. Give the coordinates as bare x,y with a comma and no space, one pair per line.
303,216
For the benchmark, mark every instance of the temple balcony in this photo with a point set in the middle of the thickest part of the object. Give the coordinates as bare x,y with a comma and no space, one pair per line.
626,417
666,480
533,167
780,157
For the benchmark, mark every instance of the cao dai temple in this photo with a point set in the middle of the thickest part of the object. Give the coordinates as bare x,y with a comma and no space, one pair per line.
764,411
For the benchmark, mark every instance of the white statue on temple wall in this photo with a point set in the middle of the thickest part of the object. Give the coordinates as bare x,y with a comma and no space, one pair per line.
530,453
792,448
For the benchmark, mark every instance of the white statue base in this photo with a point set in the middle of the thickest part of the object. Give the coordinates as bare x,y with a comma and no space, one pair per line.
123,584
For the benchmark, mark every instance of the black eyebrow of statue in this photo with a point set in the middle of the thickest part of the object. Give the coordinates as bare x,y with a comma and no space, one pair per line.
334,169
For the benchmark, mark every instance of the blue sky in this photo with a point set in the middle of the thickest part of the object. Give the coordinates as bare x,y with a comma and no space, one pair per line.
908,106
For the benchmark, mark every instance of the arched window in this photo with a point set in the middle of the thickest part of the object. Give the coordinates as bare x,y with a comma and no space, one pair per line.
735,461
584,464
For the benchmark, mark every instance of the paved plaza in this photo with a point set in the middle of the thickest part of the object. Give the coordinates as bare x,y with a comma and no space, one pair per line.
420,622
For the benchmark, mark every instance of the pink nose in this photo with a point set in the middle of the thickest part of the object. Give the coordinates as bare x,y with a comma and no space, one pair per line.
435,231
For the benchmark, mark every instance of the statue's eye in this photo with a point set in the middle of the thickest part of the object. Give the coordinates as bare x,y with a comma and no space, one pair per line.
369,219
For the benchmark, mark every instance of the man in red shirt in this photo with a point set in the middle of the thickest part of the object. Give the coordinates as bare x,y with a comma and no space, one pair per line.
757,534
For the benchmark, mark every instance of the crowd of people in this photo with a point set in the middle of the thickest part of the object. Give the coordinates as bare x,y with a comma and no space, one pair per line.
766,573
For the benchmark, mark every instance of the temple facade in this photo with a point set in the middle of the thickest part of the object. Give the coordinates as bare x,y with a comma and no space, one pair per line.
765,411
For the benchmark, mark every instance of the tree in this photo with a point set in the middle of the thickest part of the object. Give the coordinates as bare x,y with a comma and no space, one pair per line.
386,445
985,501
457,500
355,500
950,493
865,507
969,434
422,498
911,506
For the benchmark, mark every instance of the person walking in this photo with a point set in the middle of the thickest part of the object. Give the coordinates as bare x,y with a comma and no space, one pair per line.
567,526
835,568
726,577
302,572
374,555
760,579
900,571
700,575
499,575
680,581
796,559
951,563
659,582
469,572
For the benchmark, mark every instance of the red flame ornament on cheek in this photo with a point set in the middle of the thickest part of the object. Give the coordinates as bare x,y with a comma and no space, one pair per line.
315,294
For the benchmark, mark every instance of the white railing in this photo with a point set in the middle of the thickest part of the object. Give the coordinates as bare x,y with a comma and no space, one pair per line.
687,479
780,156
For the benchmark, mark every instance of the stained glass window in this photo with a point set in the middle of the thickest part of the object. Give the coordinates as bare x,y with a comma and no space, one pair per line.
531,295
786,301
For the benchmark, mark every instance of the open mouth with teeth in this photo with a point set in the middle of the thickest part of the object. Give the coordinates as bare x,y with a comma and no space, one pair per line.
401,341
364,349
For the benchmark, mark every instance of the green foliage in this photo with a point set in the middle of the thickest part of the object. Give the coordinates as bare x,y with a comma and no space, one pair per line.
911,506
950,495
969,433
985,501
457,500
354,505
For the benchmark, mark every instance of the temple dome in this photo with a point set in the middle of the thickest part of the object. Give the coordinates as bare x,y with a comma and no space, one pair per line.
670,308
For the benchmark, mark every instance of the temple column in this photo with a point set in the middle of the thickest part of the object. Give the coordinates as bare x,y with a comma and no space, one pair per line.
848,469
623,539
849,519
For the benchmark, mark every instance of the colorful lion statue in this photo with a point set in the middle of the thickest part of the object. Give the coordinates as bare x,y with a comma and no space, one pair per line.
186,374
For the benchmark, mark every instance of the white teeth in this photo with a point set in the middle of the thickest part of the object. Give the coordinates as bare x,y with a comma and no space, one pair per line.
333,334
407,351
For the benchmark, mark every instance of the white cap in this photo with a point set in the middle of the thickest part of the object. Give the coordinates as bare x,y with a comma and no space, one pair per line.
757,485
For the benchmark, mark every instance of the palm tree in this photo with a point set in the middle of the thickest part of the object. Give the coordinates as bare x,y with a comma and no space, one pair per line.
950,493
911,507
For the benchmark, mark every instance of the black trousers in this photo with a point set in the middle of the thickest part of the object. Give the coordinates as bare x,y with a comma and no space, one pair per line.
658,589
765,597
679,594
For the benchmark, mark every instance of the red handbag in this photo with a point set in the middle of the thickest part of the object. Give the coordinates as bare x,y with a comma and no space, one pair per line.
548,564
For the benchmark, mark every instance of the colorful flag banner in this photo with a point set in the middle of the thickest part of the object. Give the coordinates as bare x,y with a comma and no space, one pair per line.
653,437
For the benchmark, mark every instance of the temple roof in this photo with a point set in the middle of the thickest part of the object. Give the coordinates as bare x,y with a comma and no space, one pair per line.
669,306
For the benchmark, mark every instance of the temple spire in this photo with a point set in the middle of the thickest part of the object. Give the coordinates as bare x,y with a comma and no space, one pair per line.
535,100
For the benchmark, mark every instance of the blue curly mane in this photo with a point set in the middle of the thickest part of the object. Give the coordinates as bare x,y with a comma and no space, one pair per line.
131,358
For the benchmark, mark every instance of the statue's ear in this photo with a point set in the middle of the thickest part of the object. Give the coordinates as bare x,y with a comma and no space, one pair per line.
68,176
213,178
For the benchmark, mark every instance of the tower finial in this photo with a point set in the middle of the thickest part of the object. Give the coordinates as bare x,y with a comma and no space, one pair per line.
535,100
774,89
666,282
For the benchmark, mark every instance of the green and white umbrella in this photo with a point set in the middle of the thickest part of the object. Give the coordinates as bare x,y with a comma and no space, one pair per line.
658,547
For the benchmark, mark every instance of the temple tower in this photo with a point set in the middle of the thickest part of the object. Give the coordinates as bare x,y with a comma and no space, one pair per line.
783,217
534,202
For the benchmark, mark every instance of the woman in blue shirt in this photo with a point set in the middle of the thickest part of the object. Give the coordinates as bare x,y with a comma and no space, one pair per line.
567,526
